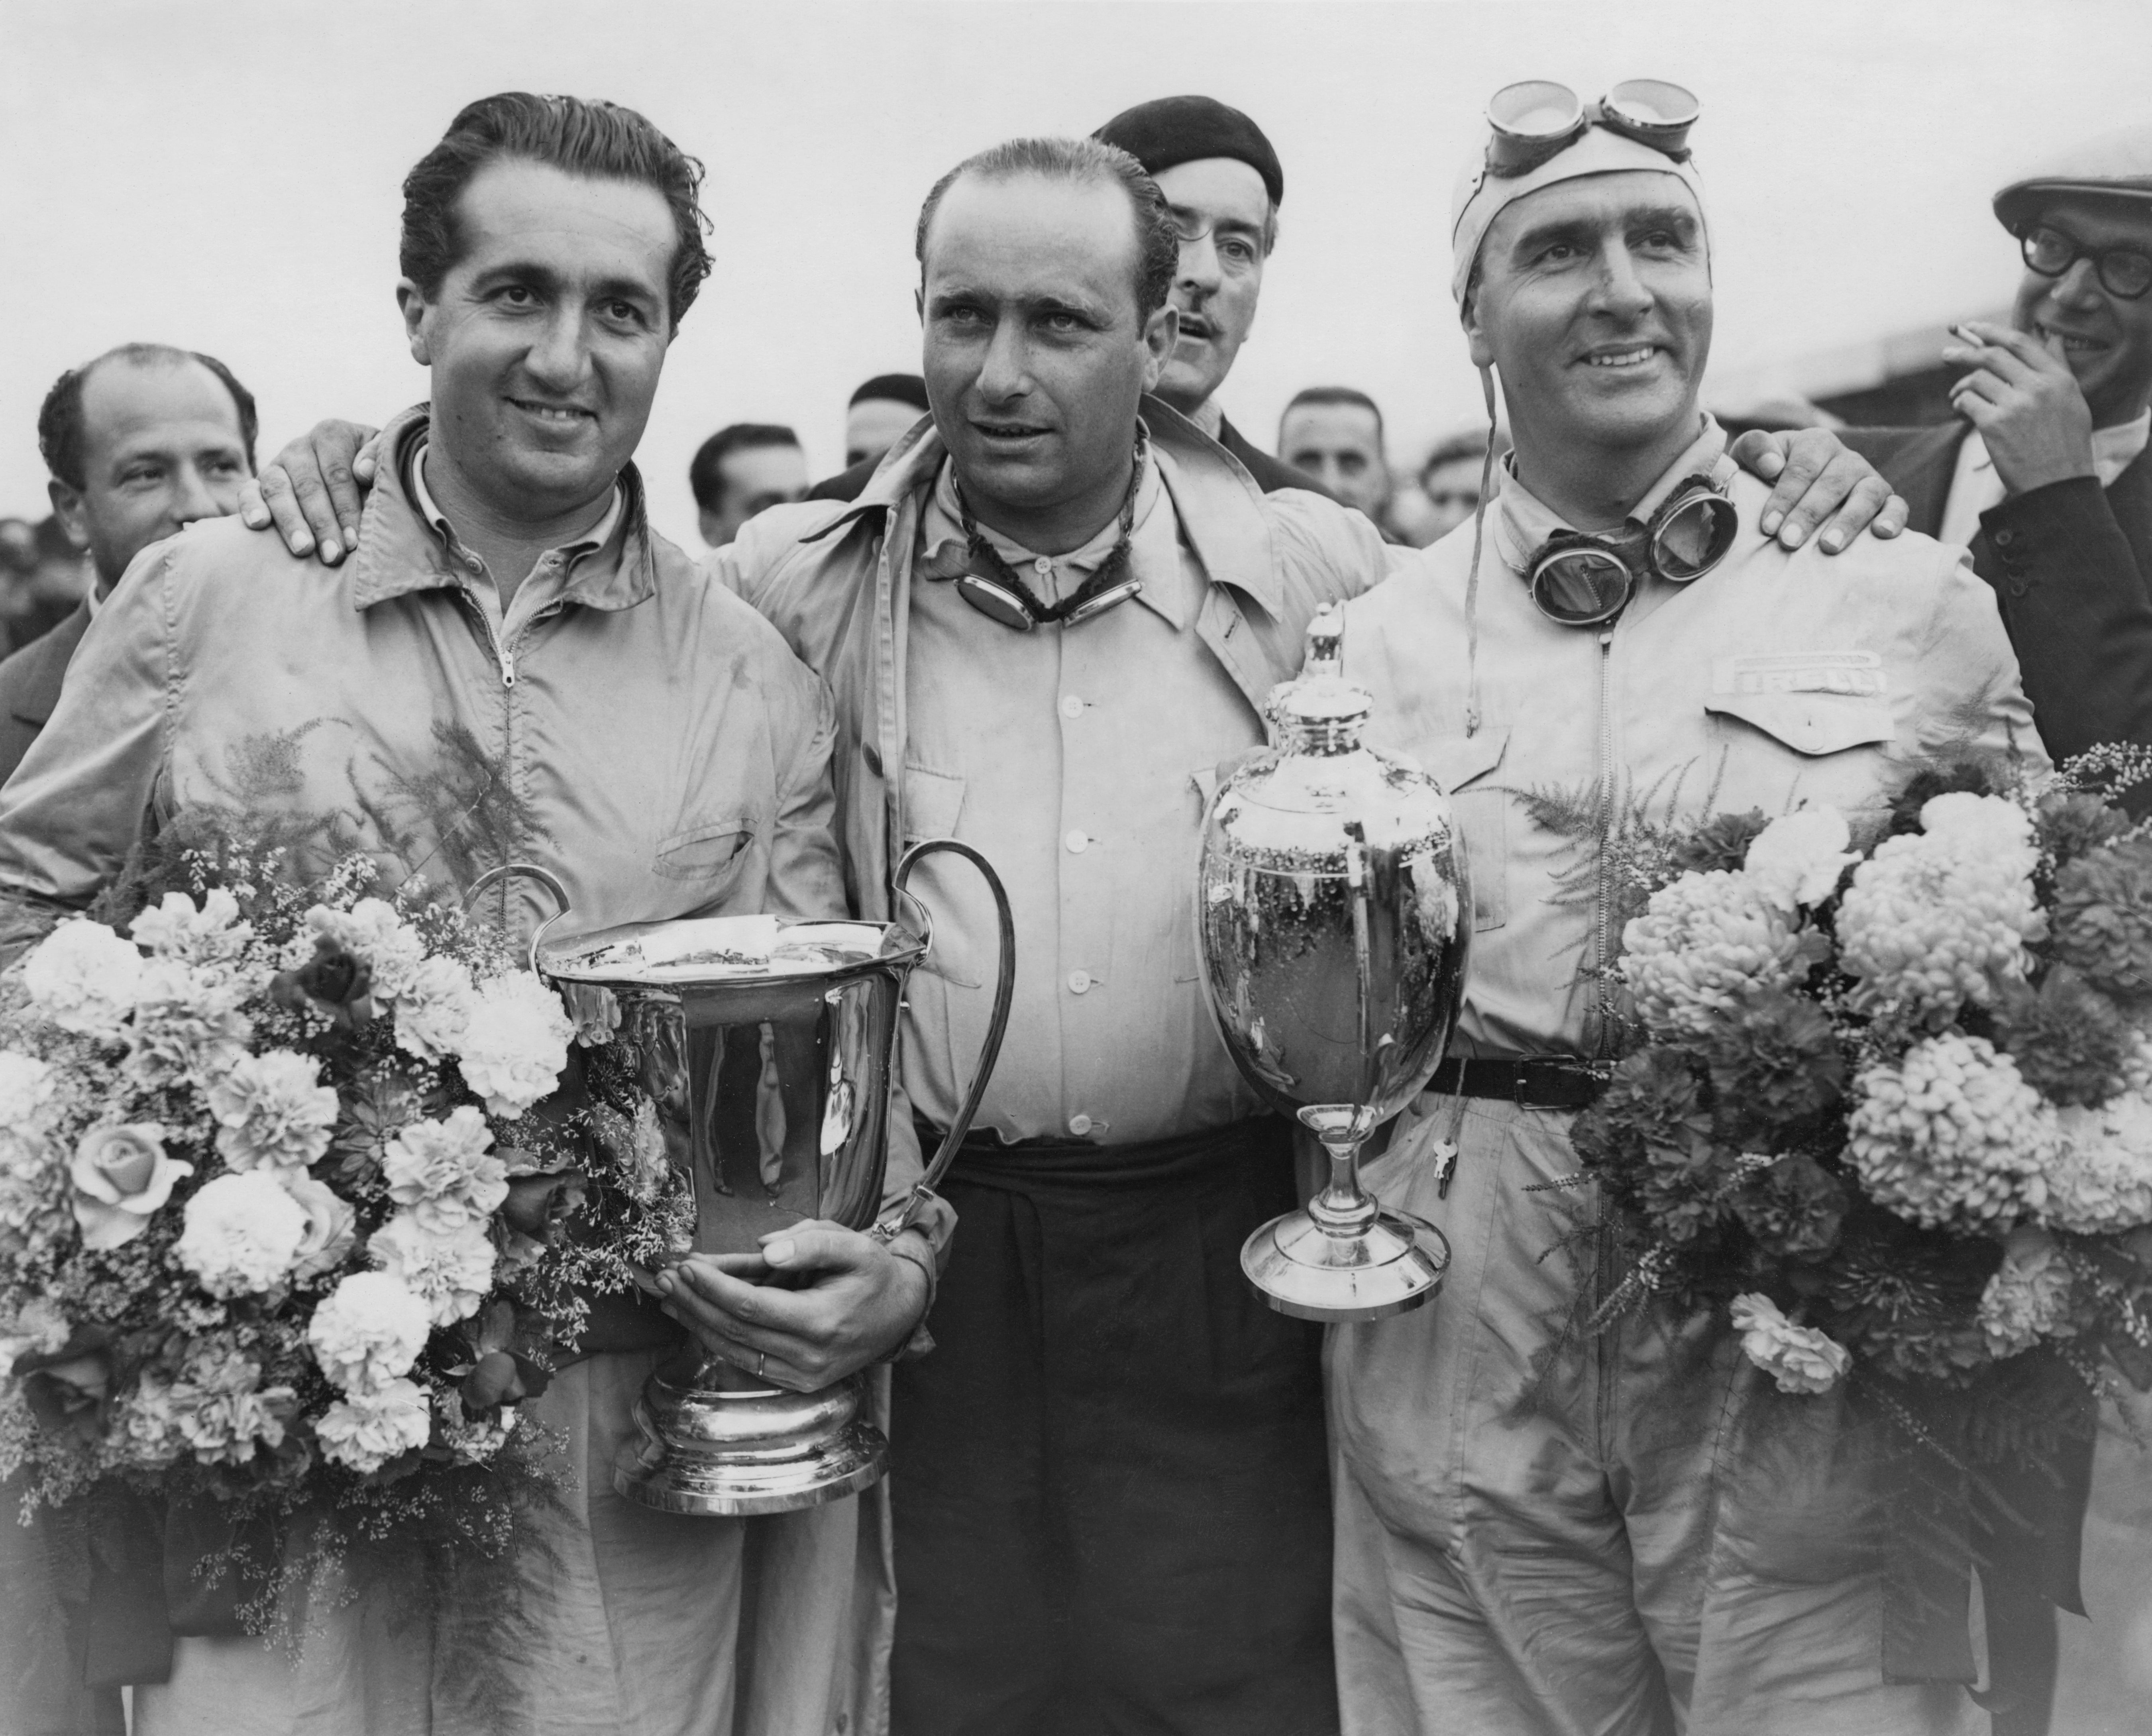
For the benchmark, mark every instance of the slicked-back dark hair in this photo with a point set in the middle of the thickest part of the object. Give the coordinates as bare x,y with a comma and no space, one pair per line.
598,140
705,475
1083,162
61,435
1335,395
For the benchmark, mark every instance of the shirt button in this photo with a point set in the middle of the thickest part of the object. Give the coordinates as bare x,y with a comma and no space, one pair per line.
1043,567
1077,842
1072,706
1079,1126
1079,983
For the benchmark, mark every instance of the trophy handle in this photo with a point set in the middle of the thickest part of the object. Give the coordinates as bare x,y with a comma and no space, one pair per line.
890,1227
530,871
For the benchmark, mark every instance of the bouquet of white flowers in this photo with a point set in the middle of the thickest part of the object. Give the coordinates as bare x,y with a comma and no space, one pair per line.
294,1207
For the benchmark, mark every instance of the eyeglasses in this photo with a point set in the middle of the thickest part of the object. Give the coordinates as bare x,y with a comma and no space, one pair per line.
2123,271
1533,122
1581,580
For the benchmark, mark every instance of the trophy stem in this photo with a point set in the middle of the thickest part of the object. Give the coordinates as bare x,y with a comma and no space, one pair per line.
1342,1257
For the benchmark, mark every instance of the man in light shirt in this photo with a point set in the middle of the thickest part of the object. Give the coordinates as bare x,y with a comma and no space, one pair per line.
2045,477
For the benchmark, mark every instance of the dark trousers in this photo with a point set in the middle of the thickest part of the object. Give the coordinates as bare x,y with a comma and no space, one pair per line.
1110,1483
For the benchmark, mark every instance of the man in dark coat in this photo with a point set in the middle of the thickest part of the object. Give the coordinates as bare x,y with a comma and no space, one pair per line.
140,443
2045,476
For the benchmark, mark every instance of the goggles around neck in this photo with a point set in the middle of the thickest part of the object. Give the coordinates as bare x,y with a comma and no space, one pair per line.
990,585
1578,579
1532,122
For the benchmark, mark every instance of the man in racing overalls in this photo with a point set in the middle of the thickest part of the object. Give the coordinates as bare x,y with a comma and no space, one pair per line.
1541,1528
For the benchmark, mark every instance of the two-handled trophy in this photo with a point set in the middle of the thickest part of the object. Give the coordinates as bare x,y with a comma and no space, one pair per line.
769,1048
1335,911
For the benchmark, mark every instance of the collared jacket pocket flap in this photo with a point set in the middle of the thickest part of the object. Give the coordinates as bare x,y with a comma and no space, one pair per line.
1454,761
933,801
703,852
1814,724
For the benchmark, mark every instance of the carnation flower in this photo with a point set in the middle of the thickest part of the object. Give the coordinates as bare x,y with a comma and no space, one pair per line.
211,934
1799,857
2103,1179
1702,941
219,1410
331,1224
1800,1358
82,977
146,1427
1943,915
2069,1041
434,1009
27,1089
450,1272
363,1431
1793,1207
444,1171
1952,1136
187,1023
2029,1298
242,1234
515,1044
2103,918
121,1176
367,1331
371,931
272,1110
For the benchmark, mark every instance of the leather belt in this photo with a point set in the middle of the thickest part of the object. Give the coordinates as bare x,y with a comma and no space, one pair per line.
1545,1081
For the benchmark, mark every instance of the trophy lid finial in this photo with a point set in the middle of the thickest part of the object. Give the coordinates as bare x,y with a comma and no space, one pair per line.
1322,700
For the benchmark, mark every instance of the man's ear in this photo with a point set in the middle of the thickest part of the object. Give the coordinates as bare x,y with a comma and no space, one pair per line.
1476,341
70,510
413,305
1161,332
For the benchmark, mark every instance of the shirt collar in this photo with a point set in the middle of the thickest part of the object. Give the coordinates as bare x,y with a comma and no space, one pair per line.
1522,521
944,547
404,541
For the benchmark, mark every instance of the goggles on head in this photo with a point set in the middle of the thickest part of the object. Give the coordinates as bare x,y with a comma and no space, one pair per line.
1581,579
1532,122
990,585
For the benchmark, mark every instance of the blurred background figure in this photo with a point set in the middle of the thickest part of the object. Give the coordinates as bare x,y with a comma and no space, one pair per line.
1445,491
139,443
743,470
43,577
879,414
1334,433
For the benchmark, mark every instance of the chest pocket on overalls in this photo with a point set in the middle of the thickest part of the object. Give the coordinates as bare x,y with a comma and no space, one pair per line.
1463,765
709,854
932,803
1815,703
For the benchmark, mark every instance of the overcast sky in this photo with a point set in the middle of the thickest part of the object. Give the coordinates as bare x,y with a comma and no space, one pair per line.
223,174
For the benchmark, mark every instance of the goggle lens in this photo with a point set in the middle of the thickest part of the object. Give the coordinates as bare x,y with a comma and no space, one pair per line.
1653,111
1580,587
1105,600
1694,537
995,602
1530,122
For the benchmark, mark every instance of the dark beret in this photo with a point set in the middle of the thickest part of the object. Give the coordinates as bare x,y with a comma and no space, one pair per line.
1176,129
902,387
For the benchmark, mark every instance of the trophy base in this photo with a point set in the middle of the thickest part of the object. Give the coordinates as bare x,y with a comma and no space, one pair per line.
716,1451
1312,1273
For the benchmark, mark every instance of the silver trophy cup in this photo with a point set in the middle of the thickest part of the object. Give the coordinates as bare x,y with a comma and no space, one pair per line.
1335,912
767,1048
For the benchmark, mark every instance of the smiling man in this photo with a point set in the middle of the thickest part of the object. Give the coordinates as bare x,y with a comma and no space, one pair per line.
1543,1526
513,667
140,444
2047,477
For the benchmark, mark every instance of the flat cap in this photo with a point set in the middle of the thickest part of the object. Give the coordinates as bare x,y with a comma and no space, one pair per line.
897,388
2116,165
1175,129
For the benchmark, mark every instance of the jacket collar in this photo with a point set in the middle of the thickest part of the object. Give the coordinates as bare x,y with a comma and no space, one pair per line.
1220,508
400,551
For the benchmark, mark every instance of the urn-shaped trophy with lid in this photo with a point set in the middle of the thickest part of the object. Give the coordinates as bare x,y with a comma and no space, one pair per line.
1335,912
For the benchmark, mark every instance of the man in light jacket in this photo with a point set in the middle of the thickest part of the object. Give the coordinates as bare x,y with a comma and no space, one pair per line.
1628,1532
